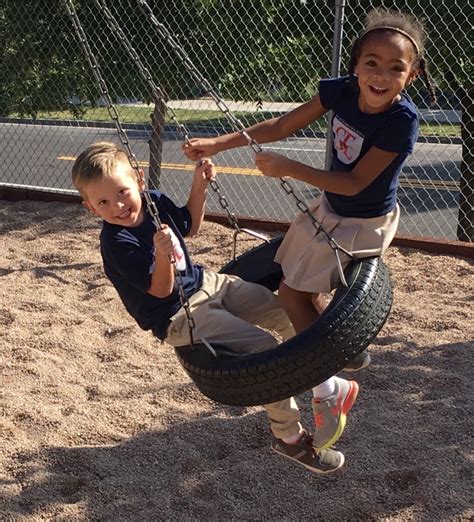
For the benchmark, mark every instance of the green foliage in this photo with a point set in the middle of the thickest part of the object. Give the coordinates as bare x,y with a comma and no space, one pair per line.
272,49
258,50
38,65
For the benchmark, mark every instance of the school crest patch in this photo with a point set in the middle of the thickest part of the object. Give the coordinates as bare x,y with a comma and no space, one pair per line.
347,141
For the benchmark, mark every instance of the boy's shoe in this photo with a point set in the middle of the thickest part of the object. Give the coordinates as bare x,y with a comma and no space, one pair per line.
330,414
359,363
325,461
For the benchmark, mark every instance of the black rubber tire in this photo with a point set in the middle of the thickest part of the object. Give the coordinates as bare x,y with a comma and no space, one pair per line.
349,324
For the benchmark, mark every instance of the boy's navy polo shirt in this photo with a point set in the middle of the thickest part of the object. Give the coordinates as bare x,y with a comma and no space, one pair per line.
355,132
128,257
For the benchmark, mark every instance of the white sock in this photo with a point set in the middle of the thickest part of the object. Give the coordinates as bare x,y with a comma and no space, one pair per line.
294,438
325,389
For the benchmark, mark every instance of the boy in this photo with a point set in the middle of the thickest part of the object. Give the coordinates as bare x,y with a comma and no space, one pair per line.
138,260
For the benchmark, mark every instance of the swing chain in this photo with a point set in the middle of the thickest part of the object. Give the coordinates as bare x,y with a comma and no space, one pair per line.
197,75
100,80
131,156
157,90
109,103
233,220
224,204
319,228
160,95
238,126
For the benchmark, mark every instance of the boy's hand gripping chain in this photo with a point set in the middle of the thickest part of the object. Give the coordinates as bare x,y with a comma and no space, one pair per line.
238,126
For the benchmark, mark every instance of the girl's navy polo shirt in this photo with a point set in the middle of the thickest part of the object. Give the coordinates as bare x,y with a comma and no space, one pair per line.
355,132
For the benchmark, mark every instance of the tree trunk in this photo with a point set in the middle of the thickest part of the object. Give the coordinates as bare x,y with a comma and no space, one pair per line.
156,143
465,230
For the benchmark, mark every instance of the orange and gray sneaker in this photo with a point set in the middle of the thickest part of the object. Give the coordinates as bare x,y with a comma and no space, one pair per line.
330,414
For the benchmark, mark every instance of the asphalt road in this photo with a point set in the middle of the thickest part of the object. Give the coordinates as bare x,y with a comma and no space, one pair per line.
41,156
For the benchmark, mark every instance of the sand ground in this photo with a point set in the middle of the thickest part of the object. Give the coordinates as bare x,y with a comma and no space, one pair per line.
100,422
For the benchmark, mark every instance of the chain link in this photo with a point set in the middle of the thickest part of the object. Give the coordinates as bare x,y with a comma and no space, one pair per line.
157,91
238,126
159,94
133,161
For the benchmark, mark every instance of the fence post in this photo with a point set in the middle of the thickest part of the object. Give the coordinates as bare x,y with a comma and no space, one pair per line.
465,230
335,69
156,142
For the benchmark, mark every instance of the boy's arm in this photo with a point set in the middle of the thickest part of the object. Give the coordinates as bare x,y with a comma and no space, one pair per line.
203,174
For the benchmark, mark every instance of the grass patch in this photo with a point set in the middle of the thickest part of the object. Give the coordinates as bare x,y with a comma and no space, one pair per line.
449,130
212,118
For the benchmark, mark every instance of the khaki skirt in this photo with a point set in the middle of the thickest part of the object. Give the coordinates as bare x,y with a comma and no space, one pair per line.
309,263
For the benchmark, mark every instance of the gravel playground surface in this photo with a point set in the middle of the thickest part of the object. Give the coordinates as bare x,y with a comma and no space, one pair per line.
100,422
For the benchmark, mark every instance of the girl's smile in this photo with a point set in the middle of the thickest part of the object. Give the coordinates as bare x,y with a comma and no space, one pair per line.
384,69
378,90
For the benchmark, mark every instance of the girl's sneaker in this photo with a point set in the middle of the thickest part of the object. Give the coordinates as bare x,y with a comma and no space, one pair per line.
324,461
330,414
358,363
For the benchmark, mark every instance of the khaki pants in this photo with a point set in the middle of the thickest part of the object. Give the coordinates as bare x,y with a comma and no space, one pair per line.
234,313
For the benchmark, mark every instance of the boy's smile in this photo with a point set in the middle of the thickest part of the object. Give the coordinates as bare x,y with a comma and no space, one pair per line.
116,198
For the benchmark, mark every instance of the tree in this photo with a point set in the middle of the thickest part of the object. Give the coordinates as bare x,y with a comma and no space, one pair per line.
35,58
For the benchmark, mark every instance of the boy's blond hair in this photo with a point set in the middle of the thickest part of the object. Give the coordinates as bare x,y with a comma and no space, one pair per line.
96,162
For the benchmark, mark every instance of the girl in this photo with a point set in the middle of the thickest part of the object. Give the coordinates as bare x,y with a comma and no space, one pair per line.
375,126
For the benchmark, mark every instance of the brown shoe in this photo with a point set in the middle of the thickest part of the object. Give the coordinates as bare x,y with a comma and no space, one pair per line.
324,461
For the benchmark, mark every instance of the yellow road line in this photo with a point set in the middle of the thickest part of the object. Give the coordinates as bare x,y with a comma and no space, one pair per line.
404,182
185,166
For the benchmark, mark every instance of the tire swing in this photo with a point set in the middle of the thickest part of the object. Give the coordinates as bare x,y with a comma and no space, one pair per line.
351,321
358,310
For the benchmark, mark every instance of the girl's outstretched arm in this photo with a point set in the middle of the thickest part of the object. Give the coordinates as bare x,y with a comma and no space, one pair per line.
263,132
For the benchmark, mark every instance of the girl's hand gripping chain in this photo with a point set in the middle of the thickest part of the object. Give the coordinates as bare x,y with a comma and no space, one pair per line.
272,164
198,148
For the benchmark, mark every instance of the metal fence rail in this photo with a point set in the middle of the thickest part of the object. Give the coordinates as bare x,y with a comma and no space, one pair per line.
263,58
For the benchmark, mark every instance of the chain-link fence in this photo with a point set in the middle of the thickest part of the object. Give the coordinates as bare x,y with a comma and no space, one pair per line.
263,58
